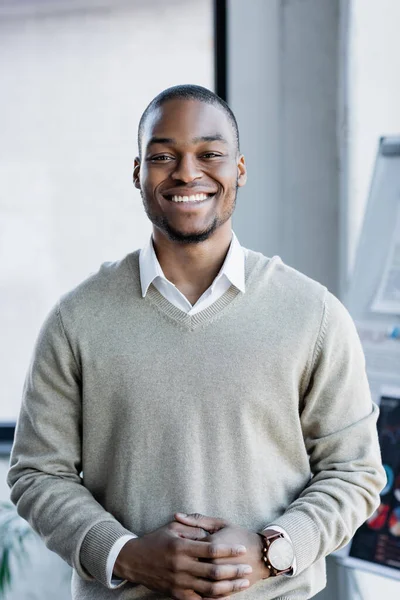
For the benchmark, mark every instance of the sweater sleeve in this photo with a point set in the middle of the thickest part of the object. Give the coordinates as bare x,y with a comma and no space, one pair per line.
338,421
45,470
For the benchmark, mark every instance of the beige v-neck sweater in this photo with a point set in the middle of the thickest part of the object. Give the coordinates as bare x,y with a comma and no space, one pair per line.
256,409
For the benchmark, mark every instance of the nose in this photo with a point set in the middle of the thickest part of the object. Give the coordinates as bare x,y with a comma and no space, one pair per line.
187,169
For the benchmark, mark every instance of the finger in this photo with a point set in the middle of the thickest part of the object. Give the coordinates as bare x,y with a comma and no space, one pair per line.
188,595
213,550
210,524
191,533
217,572
219,588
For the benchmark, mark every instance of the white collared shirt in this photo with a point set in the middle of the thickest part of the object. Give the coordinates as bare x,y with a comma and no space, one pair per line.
232,272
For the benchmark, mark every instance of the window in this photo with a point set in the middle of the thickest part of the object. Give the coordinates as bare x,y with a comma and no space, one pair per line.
373,98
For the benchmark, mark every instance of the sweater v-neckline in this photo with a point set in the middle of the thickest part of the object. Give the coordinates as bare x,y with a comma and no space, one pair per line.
205,316
191,321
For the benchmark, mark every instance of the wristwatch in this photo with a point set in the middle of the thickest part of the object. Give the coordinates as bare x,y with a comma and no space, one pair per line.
277,552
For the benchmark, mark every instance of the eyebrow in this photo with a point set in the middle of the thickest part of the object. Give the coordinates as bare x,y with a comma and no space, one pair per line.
217,137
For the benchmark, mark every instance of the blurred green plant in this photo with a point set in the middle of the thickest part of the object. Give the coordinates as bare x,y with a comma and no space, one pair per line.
14,532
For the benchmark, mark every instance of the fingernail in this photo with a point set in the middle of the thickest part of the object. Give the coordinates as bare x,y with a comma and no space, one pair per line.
181,514
244,584
247,570
240,549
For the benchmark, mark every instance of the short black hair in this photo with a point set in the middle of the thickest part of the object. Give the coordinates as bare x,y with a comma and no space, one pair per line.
187,92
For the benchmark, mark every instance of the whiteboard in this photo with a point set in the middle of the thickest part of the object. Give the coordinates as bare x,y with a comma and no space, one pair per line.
377,231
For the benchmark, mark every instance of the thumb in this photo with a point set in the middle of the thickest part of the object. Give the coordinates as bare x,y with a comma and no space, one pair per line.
210,524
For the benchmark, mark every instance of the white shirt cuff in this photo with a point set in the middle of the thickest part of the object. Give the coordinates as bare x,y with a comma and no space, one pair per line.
287,536
116,582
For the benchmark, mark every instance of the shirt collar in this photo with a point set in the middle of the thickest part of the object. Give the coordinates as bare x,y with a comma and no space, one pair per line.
233,267
149,267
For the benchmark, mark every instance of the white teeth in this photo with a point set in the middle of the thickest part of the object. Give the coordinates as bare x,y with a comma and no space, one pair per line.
194,198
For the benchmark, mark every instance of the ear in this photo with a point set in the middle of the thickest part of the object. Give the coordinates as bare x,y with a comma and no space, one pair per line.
136,173
242,171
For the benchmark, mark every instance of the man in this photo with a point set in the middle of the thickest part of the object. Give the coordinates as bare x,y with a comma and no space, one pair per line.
198,395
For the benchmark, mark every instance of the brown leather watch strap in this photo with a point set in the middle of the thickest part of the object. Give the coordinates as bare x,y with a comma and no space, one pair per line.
267,541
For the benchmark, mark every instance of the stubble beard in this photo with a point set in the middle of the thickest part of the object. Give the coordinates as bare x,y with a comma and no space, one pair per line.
161,222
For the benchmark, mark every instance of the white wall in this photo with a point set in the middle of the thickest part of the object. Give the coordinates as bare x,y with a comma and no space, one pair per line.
75,78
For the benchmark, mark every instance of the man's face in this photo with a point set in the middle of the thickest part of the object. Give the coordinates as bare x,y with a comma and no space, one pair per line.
189,170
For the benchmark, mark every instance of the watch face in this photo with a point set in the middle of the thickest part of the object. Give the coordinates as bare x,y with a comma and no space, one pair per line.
281,554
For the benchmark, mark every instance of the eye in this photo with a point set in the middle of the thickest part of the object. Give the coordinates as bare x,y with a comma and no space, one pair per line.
160,158
211,155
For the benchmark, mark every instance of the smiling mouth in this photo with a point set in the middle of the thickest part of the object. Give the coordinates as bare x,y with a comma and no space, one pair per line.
193,198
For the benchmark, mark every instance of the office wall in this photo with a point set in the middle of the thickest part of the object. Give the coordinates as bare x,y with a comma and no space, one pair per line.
283,71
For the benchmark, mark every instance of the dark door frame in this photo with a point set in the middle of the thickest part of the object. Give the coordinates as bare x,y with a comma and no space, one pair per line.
221,49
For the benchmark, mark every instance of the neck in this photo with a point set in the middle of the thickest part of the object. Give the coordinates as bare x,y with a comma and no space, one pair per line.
193,267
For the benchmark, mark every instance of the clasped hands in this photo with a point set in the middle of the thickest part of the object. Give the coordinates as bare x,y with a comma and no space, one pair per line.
194,557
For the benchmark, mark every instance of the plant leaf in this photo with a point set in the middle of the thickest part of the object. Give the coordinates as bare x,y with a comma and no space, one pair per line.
5,573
